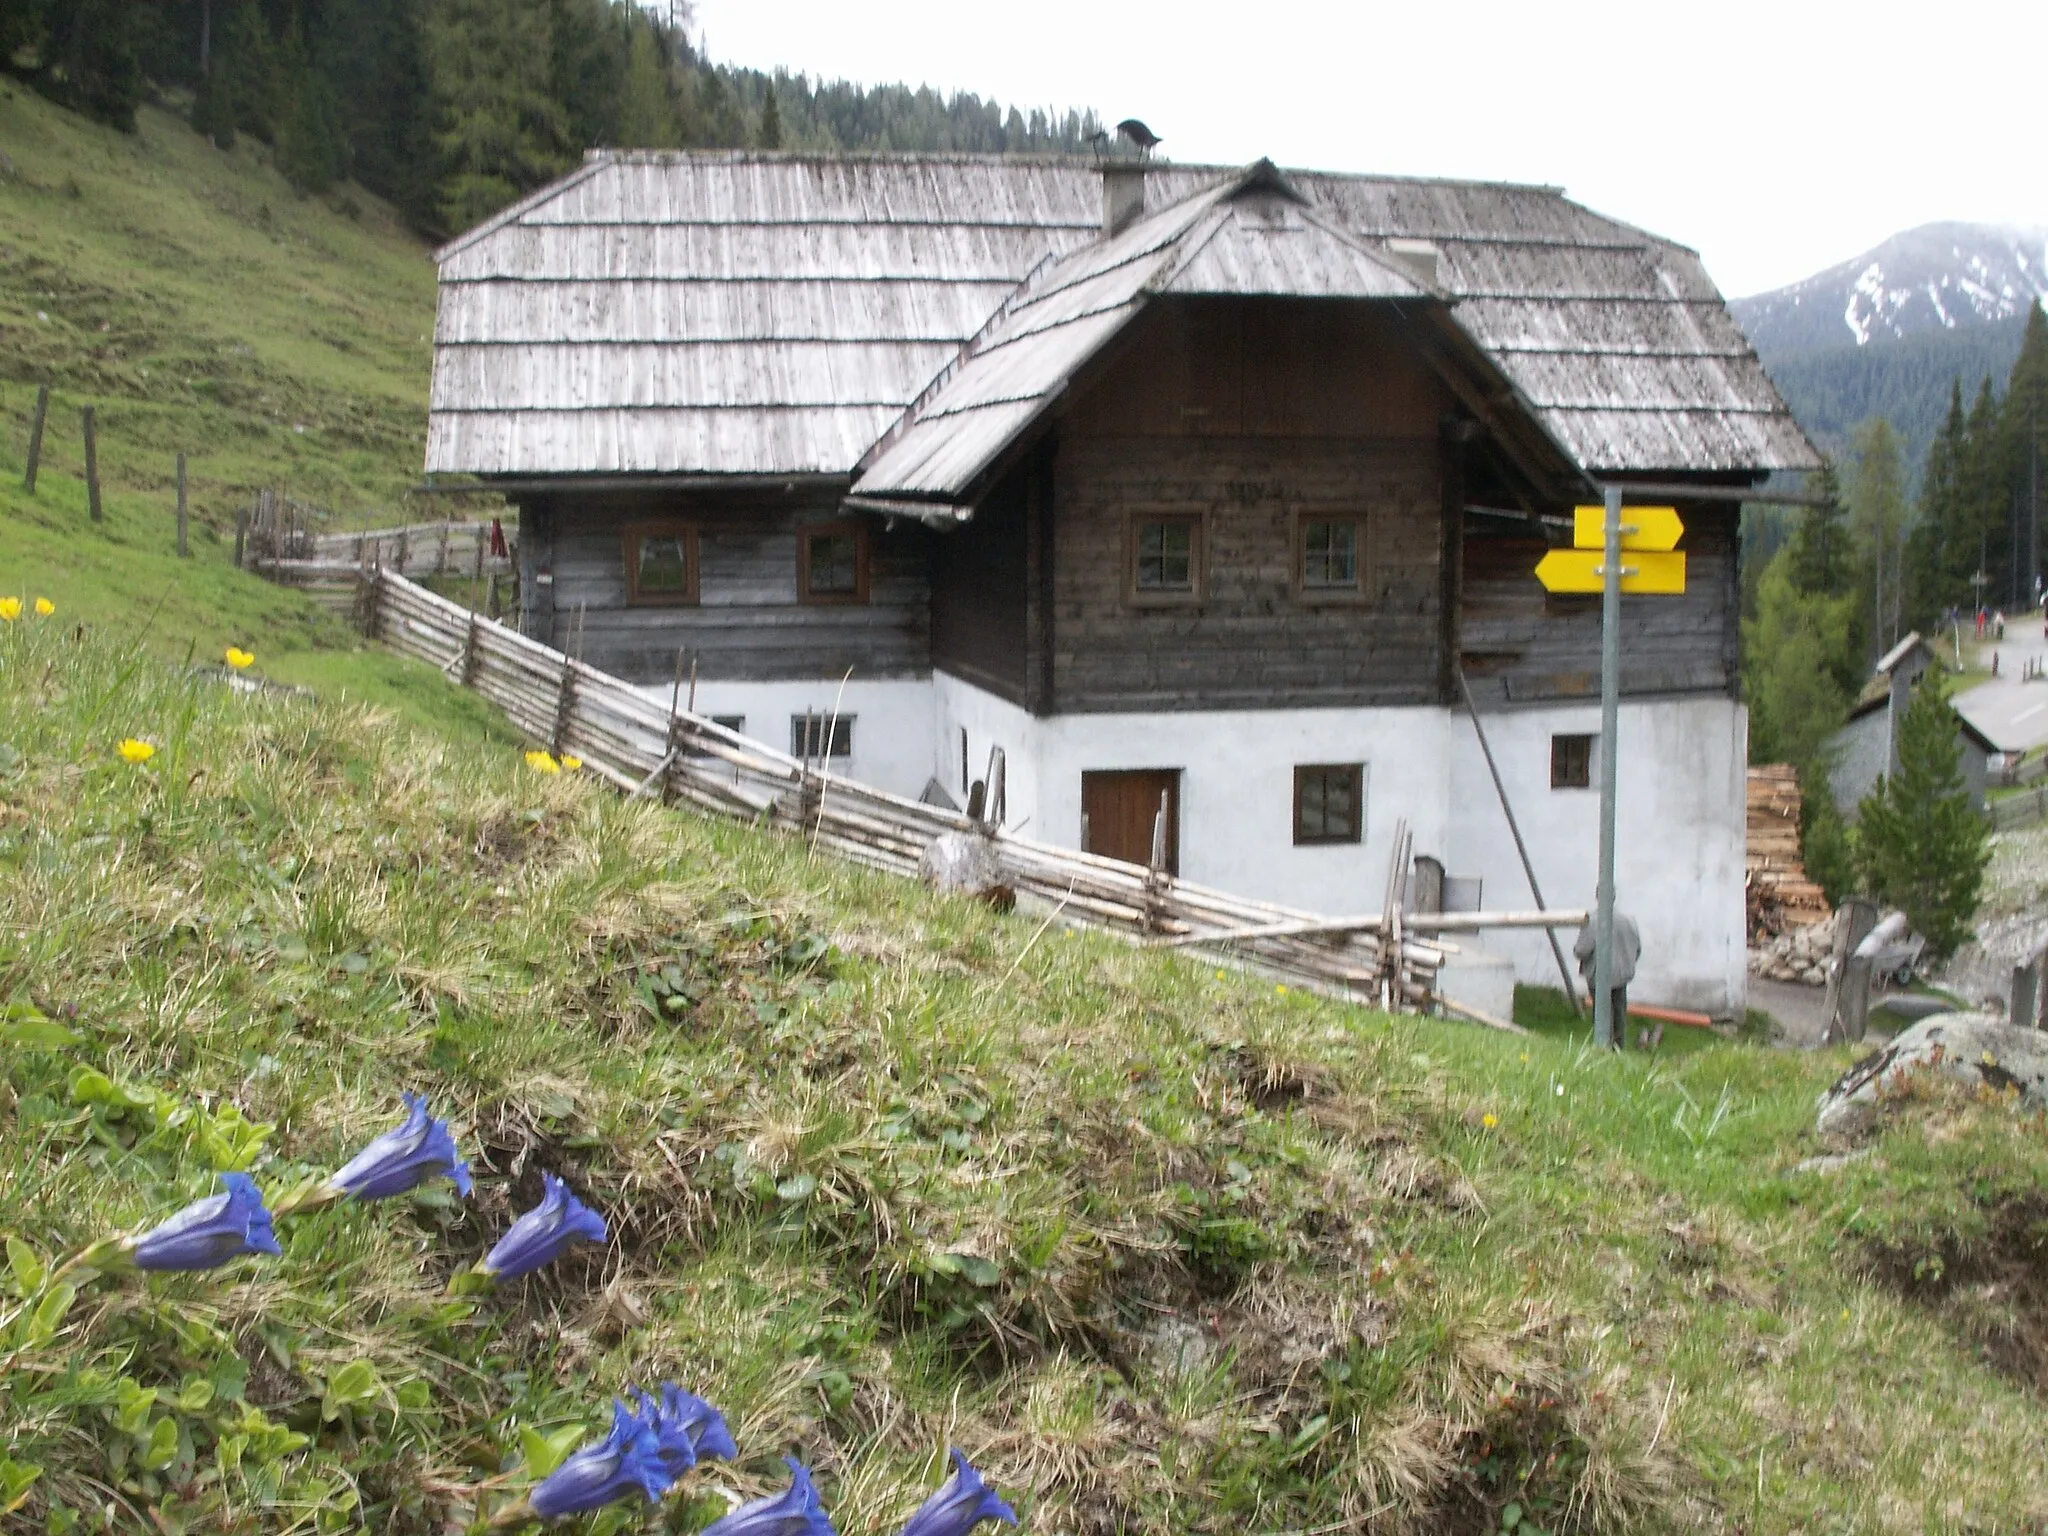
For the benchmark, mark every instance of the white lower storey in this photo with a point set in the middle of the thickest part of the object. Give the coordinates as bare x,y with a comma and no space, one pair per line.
1681,811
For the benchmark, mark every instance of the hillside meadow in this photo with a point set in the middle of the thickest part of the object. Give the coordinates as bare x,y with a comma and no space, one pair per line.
1162,1246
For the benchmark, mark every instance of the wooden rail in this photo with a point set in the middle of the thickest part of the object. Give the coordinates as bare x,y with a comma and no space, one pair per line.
638,743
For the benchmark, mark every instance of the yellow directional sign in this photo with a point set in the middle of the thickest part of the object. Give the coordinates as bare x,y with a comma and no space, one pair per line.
1641,528
1652,573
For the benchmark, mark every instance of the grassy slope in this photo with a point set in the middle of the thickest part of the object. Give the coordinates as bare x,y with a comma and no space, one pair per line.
1165,1249
204,307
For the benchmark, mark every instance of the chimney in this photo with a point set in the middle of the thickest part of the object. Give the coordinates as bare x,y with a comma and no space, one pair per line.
1123,194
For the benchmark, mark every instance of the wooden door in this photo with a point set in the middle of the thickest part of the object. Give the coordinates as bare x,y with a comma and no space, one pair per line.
1117,811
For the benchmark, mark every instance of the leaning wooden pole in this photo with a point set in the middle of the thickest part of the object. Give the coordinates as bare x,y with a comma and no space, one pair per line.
35,438
1521,849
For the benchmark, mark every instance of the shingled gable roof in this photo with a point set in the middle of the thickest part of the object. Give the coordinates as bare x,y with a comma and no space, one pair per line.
1252,234
736,313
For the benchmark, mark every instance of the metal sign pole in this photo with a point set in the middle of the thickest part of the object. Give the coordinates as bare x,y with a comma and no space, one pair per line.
1605,1025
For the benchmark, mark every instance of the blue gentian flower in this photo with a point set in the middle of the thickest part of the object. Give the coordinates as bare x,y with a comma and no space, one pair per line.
795,1513
628,1460
407,1155
690,1430
544,1233
962,1502
210,1232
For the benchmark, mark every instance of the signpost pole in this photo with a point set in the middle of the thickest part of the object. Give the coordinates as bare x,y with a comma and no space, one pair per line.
1606,1027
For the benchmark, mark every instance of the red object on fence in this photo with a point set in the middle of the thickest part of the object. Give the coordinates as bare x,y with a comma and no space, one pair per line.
498,549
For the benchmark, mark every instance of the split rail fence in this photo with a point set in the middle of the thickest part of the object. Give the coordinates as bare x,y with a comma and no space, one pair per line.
277,538
642,745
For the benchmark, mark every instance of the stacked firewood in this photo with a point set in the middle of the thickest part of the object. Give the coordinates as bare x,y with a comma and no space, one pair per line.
1780,898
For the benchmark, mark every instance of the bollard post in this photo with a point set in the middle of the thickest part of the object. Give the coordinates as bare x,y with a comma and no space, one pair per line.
92,462
35,438
184,549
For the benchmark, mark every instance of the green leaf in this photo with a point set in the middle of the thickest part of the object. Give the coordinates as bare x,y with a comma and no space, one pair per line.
42,1324
25,1267
195,1394
353,1385
542,1453
131,1411
16,1478
1511,1517
799,1187
976,1270
162,1449
228,1452
24,1027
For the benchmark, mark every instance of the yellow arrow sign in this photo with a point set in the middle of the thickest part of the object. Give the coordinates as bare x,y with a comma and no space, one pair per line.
1641,528
1648,572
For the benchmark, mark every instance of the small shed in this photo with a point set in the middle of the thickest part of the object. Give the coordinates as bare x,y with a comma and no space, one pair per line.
1867,747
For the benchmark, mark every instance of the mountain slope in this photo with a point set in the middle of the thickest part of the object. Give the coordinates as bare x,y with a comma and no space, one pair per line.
203,306
1888,333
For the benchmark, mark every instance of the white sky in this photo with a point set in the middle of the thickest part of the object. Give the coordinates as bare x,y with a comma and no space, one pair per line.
1777,137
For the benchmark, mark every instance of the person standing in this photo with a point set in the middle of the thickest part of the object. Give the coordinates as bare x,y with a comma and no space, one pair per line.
1628,948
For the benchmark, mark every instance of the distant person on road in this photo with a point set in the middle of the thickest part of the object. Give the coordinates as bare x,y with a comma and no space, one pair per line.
1998,625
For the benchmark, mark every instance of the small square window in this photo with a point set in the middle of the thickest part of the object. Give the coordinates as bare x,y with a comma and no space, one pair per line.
1571,762
815,736
1329,554
1329,803
661,564
1165,555
833,563
737,724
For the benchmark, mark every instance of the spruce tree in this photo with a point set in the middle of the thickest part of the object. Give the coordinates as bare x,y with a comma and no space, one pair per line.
1919,844
2023,450
647,115
1877,502
505,131
770,136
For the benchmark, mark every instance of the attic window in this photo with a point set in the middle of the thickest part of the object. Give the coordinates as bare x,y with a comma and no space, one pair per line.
1329,555
1164,563
833,563
1571,762
661,563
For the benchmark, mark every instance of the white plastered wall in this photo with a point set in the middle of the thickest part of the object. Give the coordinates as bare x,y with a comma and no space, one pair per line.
892,722
1680,815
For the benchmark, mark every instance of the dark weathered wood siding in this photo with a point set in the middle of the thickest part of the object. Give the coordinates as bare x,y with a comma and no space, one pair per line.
1521,644
1251,411
747,624
981,590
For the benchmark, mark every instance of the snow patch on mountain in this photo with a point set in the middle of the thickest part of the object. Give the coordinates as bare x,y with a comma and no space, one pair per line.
1936,277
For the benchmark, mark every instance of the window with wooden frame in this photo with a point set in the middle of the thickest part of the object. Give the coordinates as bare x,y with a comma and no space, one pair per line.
1164,557
1329,803
832,562
1571,762
1329,556
661,563
818,736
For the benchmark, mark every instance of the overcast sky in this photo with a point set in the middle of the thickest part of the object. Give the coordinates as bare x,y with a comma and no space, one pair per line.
1777,137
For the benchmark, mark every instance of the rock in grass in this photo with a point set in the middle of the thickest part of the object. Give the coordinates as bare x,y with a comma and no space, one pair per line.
967,865
1973,1048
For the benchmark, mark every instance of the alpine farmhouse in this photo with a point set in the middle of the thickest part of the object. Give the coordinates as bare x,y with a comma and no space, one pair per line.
1179,484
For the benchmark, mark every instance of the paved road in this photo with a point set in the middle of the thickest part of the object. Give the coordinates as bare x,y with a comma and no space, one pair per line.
2013,714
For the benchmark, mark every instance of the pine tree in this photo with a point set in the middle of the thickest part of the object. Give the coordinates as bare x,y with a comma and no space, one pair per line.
1877,503
312,149
1920,845
770,136
647,115
1790,676
2023,451
506,132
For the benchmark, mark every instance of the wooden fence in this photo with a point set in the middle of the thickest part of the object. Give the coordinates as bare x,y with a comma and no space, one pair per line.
278,539
644,745
2019,810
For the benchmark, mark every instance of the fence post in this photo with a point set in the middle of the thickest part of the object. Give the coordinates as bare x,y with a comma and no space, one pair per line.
241,535
35,438
92,462
565,704
184,549
469,652
2026,981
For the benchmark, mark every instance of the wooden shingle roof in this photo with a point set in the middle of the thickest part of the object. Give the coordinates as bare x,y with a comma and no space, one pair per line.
747,313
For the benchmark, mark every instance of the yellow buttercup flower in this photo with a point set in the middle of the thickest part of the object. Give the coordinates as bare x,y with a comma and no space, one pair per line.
136,750
541,762
44,607
571,764
10,608
1489,1121
239,658
1280,991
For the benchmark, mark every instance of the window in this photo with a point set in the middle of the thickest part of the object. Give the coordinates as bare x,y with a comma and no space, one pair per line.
832,560
661,563
1329,555
808,736
737,724
1571,762
1165,559
1329,803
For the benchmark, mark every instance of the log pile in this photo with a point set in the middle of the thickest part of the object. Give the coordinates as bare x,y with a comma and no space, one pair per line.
1780,899
643,745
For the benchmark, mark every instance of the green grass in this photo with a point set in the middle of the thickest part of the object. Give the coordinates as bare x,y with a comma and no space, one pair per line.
1166,1249
204,307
